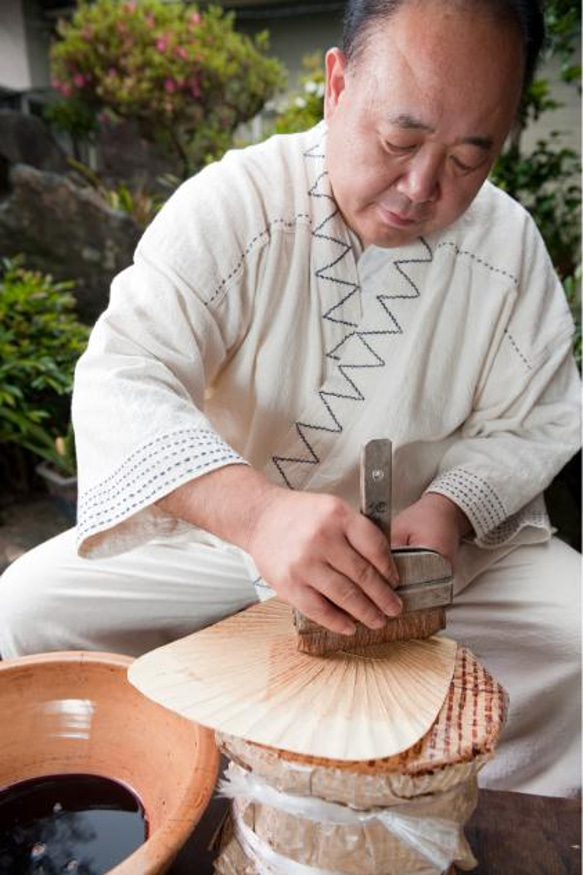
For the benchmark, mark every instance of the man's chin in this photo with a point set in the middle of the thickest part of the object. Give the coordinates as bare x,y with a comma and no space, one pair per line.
387,238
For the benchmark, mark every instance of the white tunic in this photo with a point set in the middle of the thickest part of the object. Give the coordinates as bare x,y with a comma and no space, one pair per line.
248,330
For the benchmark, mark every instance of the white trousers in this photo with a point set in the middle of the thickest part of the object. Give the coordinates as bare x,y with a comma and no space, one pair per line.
520,616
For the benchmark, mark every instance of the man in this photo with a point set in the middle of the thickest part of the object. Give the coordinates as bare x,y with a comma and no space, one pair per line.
292,302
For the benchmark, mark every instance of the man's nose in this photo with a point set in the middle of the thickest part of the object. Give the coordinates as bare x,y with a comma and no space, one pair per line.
420,180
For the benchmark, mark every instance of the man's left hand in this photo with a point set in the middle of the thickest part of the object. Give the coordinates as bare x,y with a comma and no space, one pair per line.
433,522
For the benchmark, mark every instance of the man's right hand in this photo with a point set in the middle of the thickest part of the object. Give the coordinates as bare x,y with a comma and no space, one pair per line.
315,551
325,559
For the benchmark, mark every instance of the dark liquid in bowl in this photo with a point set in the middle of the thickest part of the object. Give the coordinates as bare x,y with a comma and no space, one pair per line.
68,825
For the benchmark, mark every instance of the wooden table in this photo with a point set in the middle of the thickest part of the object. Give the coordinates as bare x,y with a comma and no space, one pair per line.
510,834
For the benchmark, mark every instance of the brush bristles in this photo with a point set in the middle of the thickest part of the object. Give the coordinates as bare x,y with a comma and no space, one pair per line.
318,641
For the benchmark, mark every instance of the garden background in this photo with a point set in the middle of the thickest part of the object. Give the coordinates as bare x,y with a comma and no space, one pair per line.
105,107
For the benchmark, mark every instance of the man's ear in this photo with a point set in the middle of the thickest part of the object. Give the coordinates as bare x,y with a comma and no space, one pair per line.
335,80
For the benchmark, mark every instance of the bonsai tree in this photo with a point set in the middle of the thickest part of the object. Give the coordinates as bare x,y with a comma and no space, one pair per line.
187,77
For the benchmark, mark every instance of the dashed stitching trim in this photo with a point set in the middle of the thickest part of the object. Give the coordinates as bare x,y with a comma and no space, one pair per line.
476,258
261,583
498,270
151,450
514,524
97,509
262,236
333,424
516,348
475,496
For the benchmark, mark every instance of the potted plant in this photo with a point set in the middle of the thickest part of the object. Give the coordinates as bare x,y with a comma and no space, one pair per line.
58,471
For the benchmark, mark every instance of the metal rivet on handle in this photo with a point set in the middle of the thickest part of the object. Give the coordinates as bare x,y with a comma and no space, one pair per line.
377,474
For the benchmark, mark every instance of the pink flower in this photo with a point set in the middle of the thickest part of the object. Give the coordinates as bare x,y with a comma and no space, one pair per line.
130,8
181,53
151,20
112,71
79,80
87,34
195,18
170,86
194,88
65,89
162,44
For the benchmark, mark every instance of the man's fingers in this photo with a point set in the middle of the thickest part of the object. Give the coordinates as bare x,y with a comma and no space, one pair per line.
371,545
317,608
369,583
353,599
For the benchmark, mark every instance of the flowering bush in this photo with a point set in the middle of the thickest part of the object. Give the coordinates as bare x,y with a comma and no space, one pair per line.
186,76
305,108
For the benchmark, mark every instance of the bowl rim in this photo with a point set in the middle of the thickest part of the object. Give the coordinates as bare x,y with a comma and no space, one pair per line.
156,854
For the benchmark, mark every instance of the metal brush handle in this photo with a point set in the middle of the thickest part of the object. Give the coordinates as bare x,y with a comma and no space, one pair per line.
376,461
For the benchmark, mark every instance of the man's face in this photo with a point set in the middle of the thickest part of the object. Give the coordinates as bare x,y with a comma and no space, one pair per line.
416,122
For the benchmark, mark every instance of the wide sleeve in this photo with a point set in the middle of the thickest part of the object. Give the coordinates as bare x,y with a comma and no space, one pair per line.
138,400
525,421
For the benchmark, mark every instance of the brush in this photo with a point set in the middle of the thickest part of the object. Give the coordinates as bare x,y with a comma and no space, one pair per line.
425,577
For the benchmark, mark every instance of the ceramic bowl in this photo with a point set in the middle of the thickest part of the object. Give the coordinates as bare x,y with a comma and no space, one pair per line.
76,712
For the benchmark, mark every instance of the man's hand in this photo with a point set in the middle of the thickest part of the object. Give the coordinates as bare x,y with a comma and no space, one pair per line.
326,559
433,522
319,554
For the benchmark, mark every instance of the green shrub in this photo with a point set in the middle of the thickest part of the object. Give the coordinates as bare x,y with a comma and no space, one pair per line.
572,285
40,342
305,108
187,77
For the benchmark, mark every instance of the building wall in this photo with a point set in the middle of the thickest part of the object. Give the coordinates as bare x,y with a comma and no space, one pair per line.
24,46
293,35
14,66
38,44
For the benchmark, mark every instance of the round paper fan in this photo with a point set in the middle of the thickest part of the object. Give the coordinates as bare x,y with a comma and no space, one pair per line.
245,676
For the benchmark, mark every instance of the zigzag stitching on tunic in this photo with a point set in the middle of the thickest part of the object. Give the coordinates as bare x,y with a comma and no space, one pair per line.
322,273
310,152
397,265
263,235
324,394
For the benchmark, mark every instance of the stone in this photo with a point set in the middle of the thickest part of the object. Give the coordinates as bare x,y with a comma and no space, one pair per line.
25,139
66,230
124,155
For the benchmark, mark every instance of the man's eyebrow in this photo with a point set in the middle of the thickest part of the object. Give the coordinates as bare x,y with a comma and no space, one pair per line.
410,123
485,143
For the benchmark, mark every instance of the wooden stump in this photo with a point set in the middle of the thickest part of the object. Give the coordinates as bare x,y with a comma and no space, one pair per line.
436,778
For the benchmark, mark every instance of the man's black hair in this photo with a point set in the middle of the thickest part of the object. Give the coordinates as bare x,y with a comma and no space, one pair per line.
361,16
